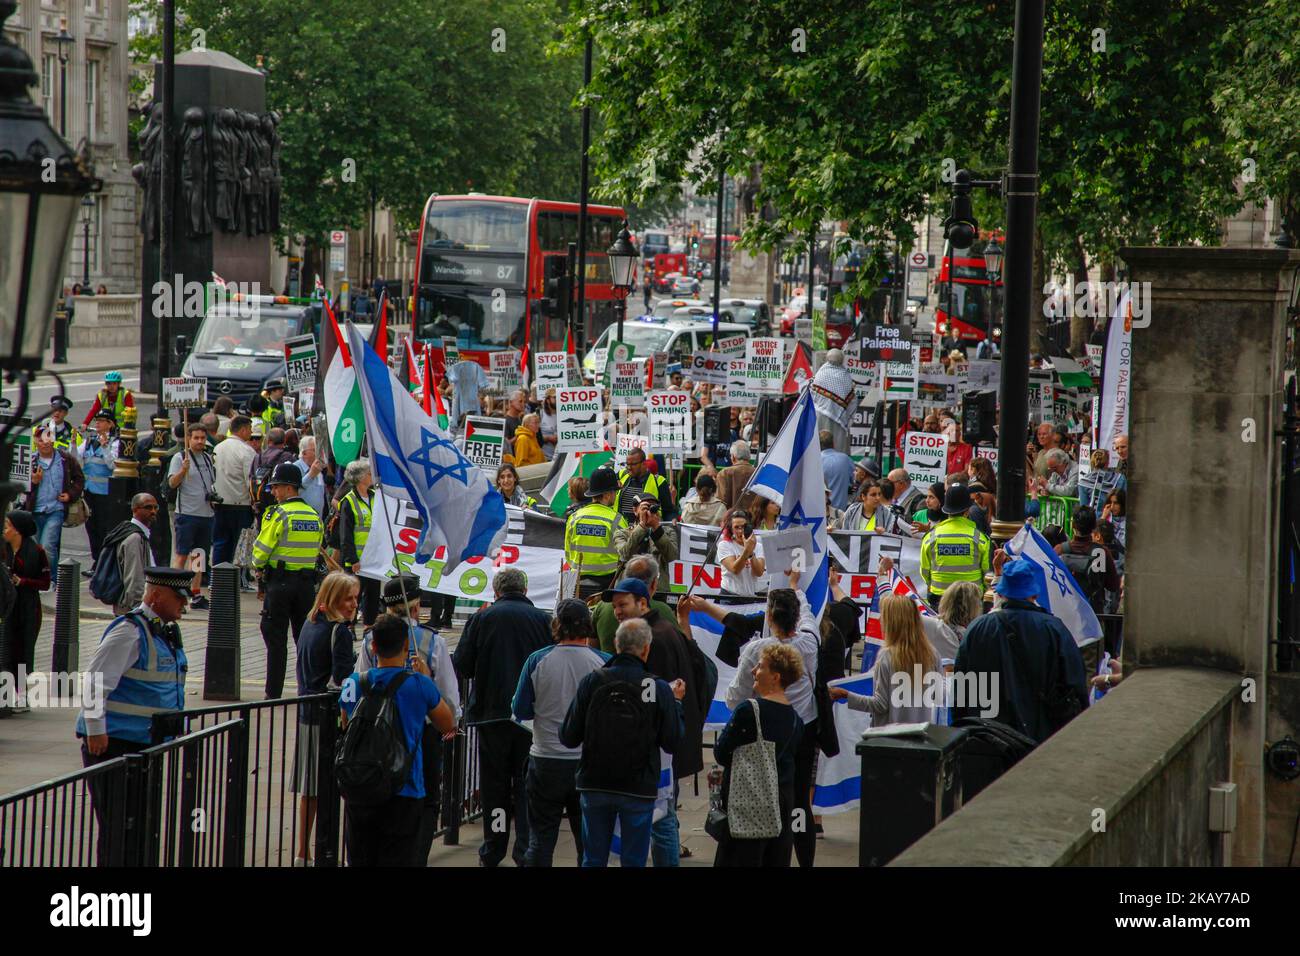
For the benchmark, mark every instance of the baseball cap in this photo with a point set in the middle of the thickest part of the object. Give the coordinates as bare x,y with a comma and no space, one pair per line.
573,615
628,586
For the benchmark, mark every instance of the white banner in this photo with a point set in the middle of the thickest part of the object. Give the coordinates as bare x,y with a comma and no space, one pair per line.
551,370
1116,377
765,365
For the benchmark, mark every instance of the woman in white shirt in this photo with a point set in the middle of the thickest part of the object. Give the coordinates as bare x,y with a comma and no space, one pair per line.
744,570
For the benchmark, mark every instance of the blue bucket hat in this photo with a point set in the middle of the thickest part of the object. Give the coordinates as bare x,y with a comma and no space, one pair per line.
1019,580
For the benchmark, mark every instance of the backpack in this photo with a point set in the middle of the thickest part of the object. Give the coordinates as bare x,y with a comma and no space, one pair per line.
620,735
373,761
106,582
1091,583
263,473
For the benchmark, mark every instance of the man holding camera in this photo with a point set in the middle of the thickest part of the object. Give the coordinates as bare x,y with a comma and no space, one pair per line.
649,536
193,476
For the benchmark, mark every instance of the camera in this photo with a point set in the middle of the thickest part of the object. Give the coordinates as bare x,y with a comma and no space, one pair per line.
213,498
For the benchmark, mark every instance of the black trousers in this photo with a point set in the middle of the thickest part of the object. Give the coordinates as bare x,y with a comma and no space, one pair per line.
99,790
98,522
370,606
502,763
384,835
552,793
431,743
805,759
289,597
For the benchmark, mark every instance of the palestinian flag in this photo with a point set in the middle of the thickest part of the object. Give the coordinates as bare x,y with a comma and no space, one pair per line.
343,411
414,371
484,439
431,388
379,334
1069,373
566,465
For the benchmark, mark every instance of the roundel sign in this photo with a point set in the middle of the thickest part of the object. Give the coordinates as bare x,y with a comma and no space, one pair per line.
338,237
918,260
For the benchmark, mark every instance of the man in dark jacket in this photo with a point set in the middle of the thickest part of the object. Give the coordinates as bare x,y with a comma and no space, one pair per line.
1024,658
492,652
57,482
622,716
669,659
1091,563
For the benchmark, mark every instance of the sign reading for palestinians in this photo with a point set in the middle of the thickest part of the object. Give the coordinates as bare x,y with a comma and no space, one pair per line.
886,343
627,384
670,422
485,441
551,370
300,362
506,365
925,456
577,419
765,365
185,392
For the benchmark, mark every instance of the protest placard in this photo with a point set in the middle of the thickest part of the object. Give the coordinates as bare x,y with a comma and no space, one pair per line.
765,365
290,408
450,352
788,550
708,368
659,369
925,456
20,469
625,442
627,384
485,442
860,428
670,421
989,452
730,345
1040,394
886,343
550,370
300,362
900,380
577,416
506,365
983,374
739,390
184,392
574,370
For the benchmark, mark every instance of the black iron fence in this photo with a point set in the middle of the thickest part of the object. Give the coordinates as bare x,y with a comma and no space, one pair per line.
142,809
240,784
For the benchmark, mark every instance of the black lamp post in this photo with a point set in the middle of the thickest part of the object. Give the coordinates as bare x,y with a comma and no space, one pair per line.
87,215
993,269
622,257
64,39
37,214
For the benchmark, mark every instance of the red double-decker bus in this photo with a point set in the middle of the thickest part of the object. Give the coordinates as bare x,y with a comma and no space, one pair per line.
488,267
969,315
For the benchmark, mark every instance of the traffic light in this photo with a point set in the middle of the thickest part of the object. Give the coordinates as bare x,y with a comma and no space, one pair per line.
695,245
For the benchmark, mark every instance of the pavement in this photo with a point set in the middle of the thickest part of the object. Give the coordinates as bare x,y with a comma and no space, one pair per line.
41,744
93,359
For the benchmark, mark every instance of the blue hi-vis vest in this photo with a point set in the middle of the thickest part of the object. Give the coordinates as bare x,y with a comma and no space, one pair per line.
155,685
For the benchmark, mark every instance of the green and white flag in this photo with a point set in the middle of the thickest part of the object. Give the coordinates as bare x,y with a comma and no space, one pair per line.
569,465
343,410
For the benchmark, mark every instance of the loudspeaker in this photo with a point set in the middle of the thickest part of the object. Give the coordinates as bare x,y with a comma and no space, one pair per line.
717,421
772,413
979,417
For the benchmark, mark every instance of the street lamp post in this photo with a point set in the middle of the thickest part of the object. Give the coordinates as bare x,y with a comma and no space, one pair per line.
622,257
993,269
87,212
64,39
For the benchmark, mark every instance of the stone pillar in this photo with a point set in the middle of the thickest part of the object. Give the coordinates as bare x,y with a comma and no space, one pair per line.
1202,577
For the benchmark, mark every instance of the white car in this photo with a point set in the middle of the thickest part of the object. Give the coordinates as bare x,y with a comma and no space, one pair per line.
649,334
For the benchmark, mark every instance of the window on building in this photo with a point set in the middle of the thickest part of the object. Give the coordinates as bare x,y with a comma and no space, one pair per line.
48,62
92,99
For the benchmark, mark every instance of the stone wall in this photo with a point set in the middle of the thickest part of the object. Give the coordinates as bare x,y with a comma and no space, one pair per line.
107,321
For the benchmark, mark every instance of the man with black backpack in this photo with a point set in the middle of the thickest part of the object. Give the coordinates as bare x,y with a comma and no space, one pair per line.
622,716
1091,563
118,578
379,767
262,471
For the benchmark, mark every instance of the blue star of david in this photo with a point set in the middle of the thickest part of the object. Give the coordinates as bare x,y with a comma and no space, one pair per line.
1059,579
434,472
797,516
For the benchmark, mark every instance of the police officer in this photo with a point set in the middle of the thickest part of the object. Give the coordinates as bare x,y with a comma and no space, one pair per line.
955,549
355,518
595,534
285,557
66,437
112,397
402,598
142,666
635,480
273,392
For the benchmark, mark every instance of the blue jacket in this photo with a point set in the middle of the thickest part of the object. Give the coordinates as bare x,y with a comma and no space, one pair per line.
670,727
1047,659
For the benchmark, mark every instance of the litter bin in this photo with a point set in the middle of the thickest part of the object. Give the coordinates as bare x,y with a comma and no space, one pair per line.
909,784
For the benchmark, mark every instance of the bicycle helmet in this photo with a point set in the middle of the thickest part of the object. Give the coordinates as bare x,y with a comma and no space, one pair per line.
113,377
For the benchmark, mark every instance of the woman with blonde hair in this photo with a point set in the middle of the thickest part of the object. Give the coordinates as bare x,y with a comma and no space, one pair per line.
907,651
325,660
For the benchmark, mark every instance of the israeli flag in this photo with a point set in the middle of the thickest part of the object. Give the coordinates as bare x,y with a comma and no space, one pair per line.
1058,592
838,787
791,475
415,460
707,633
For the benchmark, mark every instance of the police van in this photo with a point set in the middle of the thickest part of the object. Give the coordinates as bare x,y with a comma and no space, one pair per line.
679,337
240,343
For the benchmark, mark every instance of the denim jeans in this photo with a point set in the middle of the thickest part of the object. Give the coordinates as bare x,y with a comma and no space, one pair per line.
599,813
665,840
49,534
551,794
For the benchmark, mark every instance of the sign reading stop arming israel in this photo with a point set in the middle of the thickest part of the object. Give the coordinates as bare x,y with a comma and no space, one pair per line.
577,419
670,421
551,370
925,456
484,441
